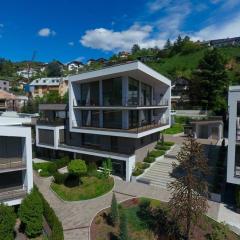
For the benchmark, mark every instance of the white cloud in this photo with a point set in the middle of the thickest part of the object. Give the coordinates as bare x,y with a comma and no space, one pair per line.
110,40
71,44
157,5
221,30
46,32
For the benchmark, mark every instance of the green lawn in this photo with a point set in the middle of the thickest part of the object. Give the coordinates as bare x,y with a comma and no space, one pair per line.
174,129
91,187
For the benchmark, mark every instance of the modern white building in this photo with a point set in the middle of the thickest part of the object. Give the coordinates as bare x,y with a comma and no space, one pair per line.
233,164
75,66
16,177
116,112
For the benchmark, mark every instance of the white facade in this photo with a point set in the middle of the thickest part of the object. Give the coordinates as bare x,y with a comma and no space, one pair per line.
233,163
11,166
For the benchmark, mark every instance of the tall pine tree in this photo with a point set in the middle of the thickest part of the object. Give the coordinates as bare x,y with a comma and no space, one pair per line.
209,84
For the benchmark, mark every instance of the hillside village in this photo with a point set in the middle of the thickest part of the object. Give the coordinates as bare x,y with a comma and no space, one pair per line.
122,148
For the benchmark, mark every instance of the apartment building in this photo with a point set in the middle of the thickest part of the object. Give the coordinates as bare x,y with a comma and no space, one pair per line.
41,86
115,112
233,165
16,179
4,85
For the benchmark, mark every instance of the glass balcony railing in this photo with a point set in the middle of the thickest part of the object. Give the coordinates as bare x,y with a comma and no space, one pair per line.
238,130
140,127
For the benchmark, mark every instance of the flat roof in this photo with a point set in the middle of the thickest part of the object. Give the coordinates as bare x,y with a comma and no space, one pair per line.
234,88
124,69
52,107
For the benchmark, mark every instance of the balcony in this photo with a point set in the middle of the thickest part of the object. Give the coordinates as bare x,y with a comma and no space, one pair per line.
141,127
8,194
130,103
7,165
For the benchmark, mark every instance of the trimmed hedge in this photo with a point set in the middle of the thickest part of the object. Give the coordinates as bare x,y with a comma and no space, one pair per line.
52,219
149,159
138,172
162,147
47,168
168,143
156,153
60,178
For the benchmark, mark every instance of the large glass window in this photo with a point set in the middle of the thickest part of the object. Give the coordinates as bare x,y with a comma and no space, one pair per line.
95,118
146,95
91,140
133,119
112,119
90,93
133,91
86,118
112,92
145,117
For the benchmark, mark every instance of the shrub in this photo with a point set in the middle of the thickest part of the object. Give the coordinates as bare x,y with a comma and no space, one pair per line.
30,214
162,147
77,167
7,222
156,153
92,169
62,162
149,159
137,172
47,168
60,178
168,143
114,215
52,219
107,167
145,165
123,228
219,232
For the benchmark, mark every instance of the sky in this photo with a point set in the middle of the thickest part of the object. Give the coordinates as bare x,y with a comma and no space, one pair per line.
69,30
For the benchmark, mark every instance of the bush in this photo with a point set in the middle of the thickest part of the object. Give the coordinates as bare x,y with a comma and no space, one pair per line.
149,159
137,172
60,178
114,215
7,222
62,162
156,153
168,143
162,147
77,167
123,228
219,232
30,213
145,165
92,169
47,168
52,219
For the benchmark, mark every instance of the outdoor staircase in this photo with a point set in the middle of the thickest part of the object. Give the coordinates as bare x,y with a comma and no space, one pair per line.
160,172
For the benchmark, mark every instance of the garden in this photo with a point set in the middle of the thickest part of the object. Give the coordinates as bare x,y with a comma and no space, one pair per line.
33,219
159,150
148,219
80,181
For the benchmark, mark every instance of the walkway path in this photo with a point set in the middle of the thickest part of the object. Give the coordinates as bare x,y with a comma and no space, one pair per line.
77,216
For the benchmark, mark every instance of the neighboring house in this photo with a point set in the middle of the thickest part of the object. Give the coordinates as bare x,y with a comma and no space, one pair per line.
16,177
41,86
148,58
4,85
233,163
27,73
116,112
101,60
20,102
225,42
6,100
123,54
205,129
75,66
91,61
179,97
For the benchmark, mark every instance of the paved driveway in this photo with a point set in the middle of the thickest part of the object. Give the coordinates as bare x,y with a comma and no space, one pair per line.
76,216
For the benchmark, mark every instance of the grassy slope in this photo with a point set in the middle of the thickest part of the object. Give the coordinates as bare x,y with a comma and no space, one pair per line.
189,62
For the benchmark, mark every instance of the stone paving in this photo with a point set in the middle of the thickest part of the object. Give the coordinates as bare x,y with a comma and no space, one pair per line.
76,216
